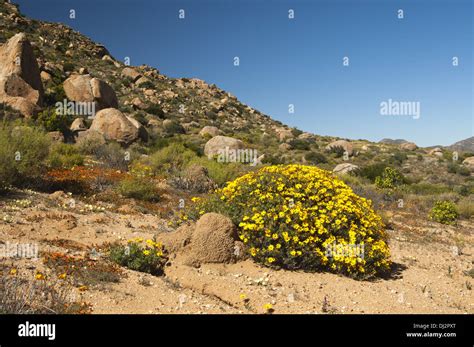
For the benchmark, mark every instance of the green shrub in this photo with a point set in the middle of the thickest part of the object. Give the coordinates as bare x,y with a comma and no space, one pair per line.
65,156
171,159
390,179
299,144
155,110
316,158
296,132
140,188
212,115
273,159
173,127
146,257
53,121
424,188
220,173
458,169
68,66
465,207
113,156
23,153
54,94
147,85
371,172
397,158
90,144
444,212
337,151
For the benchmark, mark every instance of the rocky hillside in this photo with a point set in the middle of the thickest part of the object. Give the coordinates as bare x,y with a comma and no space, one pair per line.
110,170
466,145
141,106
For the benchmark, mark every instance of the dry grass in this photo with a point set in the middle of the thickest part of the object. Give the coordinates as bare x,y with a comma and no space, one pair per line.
24,296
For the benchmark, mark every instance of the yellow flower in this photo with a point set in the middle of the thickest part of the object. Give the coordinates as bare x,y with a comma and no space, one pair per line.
271,247
62,276
39,276
270,260
146,252
268,307
13,272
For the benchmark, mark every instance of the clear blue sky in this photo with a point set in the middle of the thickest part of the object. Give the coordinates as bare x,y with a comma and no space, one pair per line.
299,61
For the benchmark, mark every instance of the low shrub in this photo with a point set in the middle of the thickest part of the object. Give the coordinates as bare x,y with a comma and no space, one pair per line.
465,207
444,212
316,158
299,144
54,94
390,179
155,110
148,256
82,271
23,154
147,85
140,188
113,156
302,217
51,120
25,296
458,169
171,159
337,151
173,127
64,156
372,171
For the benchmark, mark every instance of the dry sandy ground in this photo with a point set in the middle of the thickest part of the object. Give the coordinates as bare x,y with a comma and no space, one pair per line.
432,262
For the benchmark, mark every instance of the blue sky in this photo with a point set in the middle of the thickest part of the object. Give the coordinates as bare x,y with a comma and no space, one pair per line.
299,61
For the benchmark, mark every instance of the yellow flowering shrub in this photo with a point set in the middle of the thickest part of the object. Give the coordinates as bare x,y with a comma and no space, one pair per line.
140,255
303,217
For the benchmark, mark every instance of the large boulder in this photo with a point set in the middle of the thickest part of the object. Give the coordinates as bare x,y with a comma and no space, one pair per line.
20,81
219,143
345,145
209,131
131,73
437,152
84,88
345,168
142,132
78,125
284,134
469,163
409,146
114,125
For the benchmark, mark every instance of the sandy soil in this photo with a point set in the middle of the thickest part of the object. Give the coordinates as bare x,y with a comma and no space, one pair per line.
431,264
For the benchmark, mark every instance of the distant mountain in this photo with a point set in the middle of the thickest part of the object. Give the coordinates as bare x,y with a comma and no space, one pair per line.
466,145
392,141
